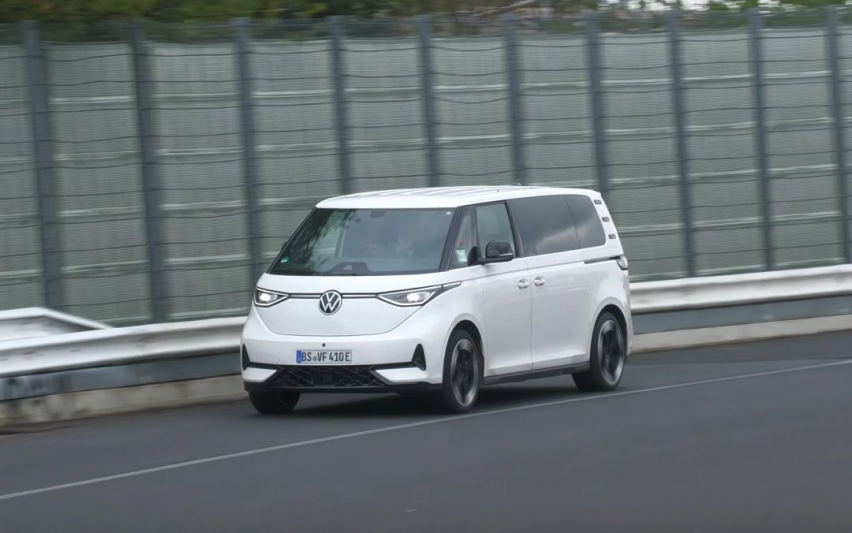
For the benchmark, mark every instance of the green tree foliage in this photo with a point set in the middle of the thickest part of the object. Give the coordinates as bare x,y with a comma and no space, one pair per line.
812,3
718,6
91,11
94,11
199,10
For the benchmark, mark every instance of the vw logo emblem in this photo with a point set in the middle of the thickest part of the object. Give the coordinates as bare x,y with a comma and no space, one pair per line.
329,302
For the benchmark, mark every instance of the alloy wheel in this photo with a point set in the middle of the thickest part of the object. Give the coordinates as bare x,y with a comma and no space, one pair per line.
465,372
611,351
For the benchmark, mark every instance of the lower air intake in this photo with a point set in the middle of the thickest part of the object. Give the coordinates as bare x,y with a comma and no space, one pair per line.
419,359
244,358
344,377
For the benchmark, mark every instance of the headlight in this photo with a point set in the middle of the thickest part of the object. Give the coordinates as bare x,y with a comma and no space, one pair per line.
264,298
416,296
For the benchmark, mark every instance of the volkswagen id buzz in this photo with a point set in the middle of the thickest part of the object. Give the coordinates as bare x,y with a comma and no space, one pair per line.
444,291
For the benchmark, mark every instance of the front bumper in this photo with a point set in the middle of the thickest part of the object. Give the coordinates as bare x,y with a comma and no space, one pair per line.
379,361
333,378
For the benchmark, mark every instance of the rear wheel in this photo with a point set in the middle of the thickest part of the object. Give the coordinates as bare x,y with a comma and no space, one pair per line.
609,352
273,403
462,373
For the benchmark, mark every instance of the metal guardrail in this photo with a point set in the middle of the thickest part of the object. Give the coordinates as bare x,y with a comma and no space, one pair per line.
118,346
158,353
740,289
40,322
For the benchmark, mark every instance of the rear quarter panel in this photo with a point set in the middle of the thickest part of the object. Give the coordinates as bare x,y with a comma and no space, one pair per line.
613,285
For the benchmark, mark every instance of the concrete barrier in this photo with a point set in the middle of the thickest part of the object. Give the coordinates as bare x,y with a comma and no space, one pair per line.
99,402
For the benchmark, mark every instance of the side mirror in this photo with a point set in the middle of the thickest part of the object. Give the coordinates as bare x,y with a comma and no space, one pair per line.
497,252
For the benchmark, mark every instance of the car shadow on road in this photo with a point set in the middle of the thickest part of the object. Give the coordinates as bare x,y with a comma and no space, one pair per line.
396,406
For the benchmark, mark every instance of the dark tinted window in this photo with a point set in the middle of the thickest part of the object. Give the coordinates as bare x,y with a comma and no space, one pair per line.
587,221
545,225
492,224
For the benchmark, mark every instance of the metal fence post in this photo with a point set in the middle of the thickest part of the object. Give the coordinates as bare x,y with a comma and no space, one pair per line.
243,72
595,67
144,87
756,58
681,141
424,24
341,122
516,114
833,54
42,132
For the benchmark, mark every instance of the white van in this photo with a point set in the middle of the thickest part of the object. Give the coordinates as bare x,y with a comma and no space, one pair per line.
444,290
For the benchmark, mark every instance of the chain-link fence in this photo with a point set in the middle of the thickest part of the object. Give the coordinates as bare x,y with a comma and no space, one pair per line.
150,171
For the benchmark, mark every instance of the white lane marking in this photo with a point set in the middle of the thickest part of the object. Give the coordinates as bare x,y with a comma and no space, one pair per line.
258,451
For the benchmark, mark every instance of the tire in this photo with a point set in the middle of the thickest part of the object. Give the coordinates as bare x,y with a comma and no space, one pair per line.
609,353
273,403
462,374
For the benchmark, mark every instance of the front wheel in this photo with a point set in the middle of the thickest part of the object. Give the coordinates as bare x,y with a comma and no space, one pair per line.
609,352
274,403
462,373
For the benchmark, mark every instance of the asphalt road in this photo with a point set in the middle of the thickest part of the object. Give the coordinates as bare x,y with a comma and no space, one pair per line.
752,437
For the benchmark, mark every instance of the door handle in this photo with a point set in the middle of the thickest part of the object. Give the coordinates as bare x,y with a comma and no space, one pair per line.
539,281
523,284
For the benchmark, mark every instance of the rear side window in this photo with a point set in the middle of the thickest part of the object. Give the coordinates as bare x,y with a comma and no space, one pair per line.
589,228
545,224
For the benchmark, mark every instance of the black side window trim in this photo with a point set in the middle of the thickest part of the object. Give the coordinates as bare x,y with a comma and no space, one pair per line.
452,234
519,243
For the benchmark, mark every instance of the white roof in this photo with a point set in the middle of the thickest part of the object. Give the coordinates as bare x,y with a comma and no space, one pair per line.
438,197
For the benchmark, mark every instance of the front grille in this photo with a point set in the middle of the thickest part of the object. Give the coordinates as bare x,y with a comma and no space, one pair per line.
344,377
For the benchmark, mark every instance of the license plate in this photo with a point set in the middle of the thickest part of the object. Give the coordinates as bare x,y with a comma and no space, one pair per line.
323,357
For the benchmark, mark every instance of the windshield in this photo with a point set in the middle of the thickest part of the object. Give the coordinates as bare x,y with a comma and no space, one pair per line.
364,242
